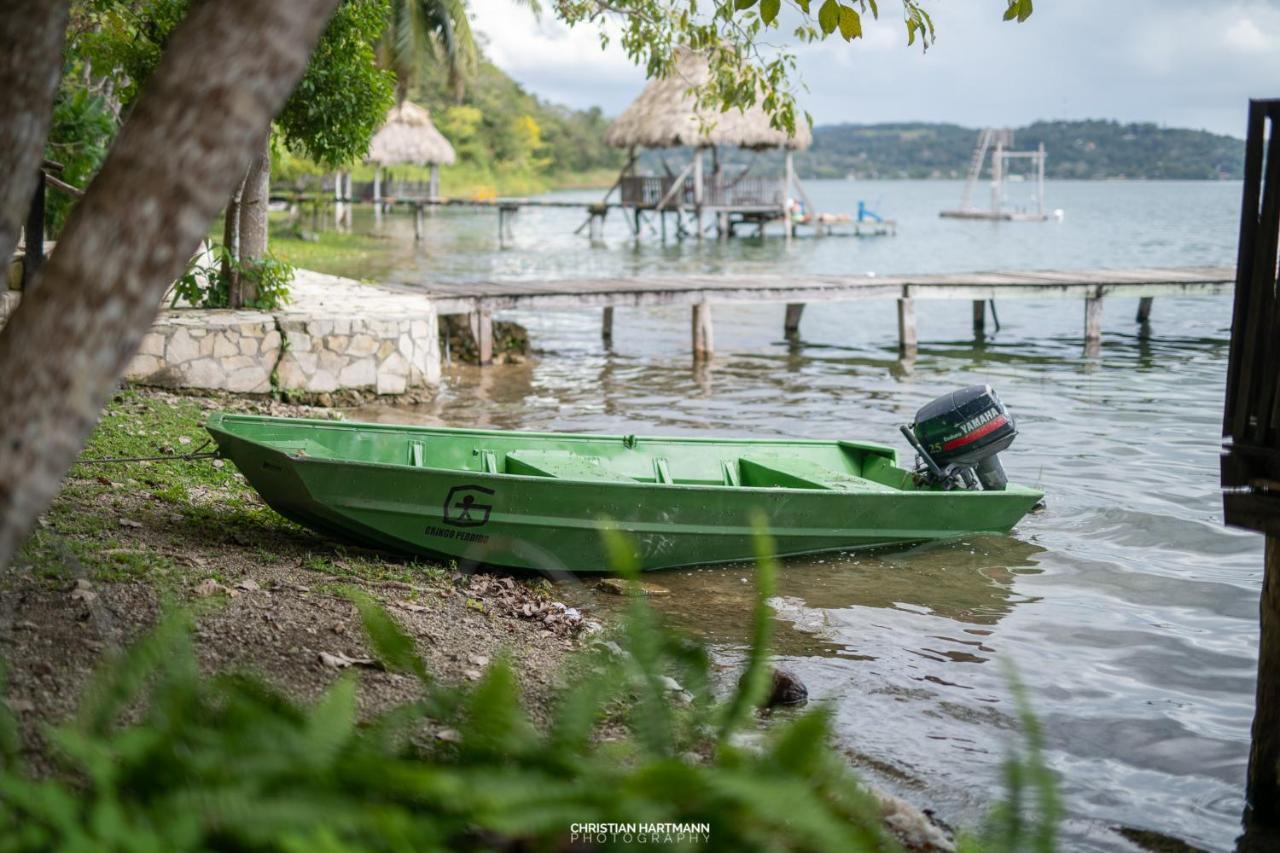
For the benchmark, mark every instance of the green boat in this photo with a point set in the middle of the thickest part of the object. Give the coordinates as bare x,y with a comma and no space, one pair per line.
527,500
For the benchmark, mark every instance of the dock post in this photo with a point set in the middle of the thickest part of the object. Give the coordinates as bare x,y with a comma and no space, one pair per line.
417,223
1144,309
697,190
482,331
907,340
1263,786
606,325
703,340
979,317
1093,318
791,324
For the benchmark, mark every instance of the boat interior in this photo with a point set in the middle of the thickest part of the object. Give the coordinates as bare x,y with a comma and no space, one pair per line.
818,465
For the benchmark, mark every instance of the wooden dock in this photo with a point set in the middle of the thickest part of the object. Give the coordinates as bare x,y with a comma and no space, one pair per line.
483,298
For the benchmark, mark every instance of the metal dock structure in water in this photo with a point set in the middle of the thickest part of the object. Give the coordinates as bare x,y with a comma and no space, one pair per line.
999,141
1092,286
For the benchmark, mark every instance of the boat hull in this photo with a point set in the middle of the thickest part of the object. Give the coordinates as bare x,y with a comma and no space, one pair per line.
551,524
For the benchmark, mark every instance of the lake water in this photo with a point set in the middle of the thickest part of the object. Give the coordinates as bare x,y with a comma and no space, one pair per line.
1126,607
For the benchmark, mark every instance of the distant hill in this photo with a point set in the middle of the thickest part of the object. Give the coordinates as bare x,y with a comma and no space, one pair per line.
1077,149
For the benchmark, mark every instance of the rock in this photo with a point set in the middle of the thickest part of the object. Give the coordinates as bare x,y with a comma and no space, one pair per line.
248,585
449,736
472,674
219,463
618,586
83,591
21,706
412,607
341,661
478,660
129,522
786,689
208,587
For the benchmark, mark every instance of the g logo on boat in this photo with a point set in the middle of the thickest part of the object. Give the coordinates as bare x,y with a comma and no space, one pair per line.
464,506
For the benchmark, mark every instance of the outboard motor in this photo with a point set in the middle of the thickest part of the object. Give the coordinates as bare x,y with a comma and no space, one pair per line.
958,437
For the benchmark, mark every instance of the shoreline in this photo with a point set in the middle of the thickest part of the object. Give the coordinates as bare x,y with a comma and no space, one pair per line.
124,541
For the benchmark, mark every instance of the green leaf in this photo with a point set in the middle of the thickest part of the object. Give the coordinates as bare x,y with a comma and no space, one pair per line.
743,4
829,16
804,5
769,10
389,643
850,23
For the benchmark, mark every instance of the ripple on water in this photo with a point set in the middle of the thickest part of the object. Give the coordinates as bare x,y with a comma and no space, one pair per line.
1126,608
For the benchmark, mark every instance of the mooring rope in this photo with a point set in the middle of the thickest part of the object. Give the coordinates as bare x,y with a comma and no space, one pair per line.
193,455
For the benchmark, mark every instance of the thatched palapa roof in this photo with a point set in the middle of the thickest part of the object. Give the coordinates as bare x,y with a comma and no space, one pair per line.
409,137
664,116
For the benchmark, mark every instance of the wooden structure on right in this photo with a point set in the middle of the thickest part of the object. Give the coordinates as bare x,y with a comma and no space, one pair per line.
665,116
1251,432
999,141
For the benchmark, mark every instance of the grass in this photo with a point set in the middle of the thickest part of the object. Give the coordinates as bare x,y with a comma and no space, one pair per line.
98,524
333,252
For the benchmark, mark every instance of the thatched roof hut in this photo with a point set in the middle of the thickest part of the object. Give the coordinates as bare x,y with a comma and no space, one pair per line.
665,116
409,137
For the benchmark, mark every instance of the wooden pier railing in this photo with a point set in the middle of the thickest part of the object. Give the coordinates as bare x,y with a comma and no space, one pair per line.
700,292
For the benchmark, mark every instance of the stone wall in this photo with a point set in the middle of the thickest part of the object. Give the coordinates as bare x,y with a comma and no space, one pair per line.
334,335
387,356
221,350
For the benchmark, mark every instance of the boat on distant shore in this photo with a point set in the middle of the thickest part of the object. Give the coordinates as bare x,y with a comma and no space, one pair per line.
525,500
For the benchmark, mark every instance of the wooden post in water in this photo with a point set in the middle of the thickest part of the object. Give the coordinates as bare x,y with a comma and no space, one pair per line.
907,341
1251,438
482,331
606,325
417,223
979,317
788,224
1264,753
791,325
1144,309
703,339
697,190
1093,318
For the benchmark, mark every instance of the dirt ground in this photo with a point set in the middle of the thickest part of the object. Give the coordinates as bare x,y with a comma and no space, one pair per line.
125,540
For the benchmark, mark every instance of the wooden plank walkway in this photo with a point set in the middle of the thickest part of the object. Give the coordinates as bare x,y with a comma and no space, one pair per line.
482,298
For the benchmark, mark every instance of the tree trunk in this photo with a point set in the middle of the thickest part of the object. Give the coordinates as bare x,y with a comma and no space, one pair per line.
228,69
31,32
231,245
253,218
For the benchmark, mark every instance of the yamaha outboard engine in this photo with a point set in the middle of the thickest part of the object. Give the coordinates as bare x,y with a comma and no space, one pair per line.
958,437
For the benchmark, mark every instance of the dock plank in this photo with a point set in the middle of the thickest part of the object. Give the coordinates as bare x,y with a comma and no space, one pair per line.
465,297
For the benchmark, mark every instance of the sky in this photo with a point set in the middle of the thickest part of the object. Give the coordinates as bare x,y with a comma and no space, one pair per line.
1180,63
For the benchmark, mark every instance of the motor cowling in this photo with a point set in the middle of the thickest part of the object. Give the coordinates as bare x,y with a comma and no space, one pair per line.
962,433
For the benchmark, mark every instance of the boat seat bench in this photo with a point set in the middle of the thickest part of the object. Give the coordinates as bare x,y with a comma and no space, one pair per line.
563,465
796,473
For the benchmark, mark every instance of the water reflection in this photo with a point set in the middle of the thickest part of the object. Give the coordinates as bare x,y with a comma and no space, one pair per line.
969,583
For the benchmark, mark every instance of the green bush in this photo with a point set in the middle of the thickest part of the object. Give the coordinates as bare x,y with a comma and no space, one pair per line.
227,762
208,285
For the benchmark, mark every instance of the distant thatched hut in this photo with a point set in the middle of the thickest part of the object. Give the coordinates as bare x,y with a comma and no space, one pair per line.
665,115
409,138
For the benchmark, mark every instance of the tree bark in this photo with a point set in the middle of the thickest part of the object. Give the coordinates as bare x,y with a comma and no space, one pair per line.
231,245
228,69
31,32
253,217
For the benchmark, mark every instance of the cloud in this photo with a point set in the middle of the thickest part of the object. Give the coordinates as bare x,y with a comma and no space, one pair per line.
1177,62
